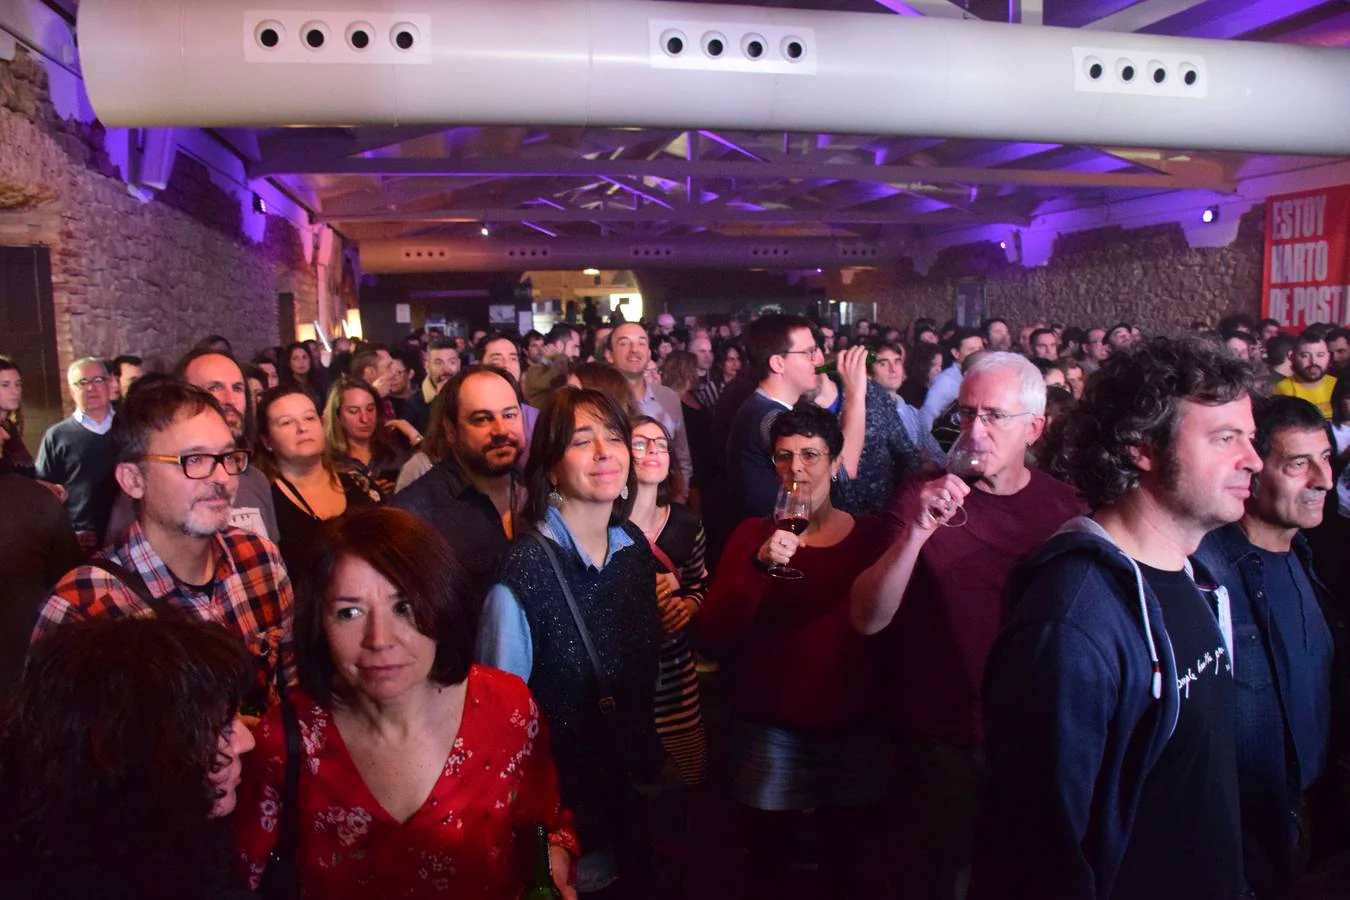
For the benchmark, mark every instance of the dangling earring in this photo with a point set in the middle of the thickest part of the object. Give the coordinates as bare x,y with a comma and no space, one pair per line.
623,494
554,498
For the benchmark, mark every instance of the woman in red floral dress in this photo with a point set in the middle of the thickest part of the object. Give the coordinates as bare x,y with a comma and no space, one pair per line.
419,771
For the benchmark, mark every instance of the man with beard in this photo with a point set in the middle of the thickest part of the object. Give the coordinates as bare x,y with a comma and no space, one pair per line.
997,336
178,458
1338,345
1310,380
1285,621
472,495
220,376
443,363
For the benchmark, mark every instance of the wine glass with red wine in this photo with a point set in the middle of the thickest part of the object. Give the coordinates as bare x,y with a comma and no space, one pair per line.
791,513
967,461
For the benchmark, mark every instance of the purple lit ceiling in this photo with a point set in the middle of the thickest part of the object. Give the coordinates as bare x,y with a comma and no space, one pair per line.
638,182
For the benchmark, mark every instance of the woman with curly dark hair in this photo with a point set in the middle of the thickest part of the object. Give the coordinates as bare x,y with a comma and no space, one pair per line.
120,755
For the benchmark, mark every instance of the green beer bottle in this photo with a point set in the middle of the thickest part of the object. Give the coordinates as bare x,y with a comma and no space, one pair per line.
541,885
829,367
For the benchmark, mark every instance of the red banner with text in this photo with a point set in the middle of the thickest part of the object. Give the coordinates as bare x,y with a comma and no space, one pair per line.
1307,276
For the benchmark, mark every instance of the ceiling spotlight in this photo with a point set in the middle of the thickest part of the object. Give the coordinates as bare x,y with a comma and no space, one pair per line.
819,271
484,231
1211,214
259,204
1003,245
590,271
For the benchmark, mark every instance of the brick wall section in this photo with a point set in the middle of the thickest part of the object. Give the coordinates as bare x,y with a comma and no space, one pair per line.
1148,276
130,276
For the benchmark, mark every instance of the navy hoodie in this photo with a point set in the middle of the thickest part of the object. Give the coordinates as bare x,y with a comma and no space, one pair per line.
1080,697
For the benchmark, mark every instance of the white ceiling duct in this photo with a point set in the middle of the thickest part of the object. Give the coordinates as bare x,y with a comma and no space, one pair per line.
628,63
479,255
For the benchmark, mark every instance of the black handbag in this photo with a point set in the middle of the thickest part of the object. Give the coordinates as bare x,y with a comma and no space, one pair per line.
281,878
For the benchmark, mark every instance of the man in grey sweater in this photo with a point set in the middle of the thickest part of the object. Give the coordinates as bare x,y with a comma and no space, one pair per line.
75,452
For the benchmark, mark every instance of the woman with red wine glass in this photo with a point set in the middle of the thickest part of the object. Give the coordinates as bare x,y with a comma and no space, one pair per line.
804,685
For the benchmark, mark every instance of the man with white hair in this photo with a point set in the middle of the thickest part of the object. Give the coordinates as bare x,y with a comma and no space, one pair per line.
953,546
75,452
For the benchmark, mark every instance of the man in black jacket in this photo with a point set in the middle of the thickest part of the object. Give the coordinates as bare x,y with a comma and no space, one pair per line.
472,496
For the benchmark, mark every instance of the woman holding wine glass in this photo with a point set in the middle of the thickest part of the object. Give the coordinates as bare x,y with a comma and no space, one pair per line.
804,687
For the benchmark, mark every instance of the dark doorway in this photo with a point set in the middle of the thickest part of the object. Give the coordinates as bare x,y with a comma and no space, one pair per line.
28,335
286,318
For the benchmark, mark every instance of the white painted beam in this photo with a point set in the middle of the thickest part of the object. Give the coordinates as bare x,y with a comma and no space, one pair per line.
641,64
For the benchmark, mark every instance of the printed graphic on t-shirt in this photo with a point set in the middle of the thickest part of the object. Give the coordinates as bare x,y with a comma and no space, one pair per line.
249,518
1212,663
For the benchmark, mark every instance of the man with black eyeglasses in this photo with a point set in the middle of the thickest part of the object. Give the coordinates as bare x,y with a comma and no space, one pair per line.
953,545
75,452
176,455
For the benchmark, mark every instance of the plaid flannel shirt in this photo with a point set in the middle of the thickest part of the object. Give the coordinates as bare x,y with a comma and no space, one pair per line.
251,596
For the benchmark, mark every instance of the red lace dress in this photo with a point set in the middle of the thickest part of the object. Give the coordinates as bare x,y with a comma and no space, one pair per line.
499,777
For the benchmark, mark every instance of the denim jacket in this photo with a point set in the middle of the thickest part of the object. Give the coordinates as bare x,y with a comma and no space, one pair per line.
1271,782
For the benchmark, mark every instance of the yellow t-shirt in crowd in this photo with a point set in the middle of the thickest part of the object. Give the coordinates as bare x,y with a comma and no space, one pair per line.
1318,394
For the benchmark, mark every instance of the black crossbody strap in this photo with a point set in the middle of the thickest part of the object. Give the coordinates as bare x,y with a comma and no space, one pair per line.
287,839
607,702
297,495
131,579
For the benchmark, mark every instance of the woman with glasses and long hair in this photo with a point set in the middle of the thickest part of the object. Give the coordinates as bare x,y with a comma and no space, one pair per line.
676,537
307,488
577,593
804,685
119,761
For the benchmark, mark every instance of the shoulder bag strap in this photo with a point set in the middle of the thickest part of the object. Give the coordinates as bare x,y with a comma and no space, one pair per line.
607,703
132,580
286,840
295,493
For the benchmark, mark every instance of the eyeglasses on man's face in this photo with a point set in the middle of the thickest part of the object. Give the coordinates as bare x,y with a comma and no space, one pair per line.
97,380
807,351
203,465
650,445
993,418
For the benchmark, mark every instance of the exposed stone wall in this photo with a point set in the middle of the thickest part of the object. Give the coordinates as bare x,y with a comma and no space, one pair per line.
1147,276
130,276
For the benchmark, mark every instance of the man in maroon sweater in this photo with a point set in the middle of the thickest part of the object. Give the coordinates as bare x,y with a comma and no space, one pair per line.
941,583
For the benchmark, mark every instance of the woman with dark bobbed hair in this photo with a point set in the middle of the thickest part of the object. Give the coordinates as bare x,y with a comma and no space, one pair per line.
583,580
418,769
120,755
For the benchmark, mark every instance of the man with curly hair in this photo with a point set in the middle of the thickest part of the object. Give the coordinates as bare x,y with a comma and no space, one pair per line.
1109,699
